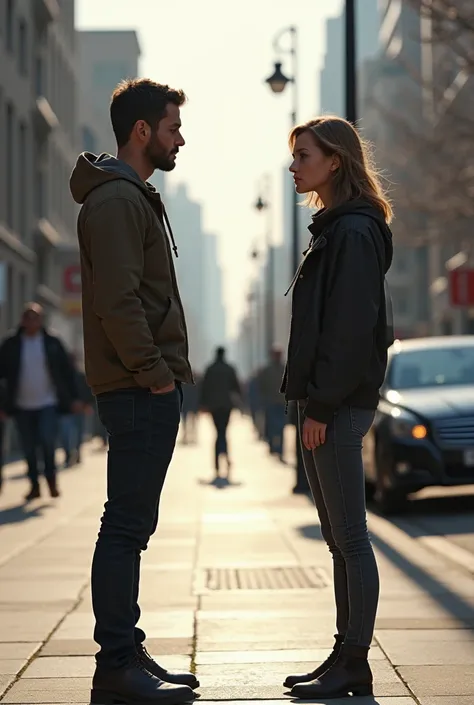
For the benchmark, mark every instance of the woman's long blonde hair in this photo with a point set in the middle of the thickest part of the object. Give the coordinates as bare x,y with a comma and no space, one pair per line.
356,177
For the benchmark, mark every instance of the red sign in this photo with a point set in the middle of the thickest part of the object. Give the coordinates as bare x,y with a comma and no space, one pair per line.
461,287
72,279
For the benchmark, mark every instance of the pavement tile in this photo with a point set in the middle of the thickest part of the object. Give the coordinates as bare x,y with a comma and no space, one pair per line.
262,693
88,647
338,701
428,653
5,681
261,675
425,623
299,656
83,666
447,700
275,644
432,680
27,626
12,666
163,623
49,690
396,636
252,600
251,629
16,650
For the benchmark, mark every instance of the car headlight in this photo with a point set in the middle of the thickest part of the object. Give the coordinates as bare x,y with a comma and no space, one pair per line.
403,424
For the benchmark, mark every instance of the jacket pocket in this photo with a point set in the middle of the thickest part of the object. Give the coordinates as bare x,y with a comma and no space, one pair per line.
171,328
361,420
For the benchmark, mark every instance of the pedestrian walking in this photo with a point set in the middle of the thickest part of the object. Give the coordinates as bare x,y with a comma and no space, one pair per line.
273,402
40,386
190,410
136,359
337,358
220,394
73,425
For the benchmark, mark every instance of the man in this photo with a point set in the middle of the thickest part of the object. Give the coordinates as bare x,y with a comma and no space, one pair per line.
136,358
273,402
40,385
220,393
189,410
72,431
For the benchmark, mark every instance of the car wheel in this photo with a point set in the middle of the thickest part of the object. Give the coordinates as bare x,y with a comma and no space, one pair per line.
389,500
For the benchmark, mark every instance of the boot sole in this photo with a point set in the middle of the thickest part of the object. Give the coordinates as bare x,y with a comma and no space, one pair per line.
361,691
107,697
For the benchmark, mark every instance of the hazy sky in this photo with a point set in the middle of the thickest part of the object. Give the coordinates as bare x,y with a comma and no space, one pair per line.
220,52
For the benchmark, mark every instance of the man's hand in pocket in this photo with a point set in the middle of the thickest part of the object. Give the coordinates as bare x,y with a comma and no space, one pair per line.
163,390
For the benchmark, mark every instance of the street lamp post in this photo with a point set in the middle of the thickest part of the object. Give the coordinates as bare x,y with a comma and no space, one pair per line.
263,203
350,62
278,82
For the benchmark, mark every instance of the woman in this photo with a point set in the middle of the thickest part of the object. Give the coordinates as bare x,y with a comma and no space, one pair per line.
337,359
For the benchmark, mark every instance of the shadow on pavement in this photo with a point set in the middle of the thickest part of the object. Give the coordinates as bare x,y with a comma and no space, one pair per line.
311,531
369,700
453,604
21,512
436,516
220,483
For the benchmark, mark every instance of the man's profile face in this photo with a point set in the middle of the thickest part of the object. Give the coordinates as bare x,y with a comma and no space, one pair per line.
164,143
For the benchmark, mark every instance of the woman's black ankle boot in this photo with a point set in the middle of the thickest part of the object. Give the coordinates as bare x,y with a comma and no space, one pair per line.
307,677
350,674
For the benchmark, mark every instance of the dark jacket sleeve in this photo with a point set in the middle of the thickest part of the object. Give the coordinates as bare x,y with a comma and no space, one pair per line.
350,317
67,371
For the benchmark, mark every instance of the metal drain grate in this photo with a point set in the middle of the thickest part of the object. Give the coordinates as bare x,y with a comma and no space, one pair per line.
284,578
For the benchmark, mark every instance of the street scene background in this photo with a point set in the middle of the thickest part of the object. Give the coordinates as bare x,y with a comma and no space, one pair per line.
237,581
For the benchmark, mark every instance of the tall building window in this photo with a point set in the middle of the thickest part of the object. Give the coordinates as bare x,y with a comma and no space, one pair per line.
22,181
9,161
10,24
23,48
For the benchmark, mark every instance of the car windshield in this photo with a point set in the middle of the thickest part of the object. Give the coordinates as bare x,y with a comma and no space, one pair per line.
432,367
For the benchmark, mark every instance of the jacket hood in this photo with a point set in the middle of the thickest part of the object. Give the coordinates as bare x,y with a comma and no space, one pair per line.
91,171
325,217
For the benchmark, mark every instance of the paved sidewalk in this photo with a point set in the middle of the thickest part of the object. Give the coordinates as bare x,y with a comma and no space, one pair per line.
236,586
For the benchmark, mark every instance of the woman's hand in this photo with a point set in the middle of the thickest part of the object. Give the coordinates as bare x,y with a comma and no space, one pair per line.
314,434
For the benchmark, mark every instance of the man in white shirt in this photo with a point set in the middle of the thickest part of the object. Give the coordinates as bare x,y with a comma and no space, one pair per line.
40,384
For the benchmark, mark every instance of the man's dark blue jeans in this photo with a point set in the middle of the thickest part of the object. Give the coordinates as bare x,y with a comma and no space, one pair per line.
142,431
38,430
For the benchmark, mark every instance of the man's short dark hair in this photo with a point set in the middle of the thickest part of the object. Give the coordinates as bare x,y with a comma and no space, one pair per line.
140,99
220,352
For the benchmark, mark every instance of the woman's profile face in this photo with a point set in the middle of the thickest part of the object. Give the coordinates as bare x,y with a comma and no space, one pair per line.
311,168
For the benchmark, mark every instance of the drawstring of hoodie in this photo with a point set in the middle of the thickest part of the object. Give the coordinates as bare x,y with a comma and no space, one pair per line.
170,231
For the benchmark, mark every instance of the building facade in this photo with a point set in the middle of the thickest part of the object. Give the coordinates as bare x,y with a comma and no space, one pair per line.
38,131
105,59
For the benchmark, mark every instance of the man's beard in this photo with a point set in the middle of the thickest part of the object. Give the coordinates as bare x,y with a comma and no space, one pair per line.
158,157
